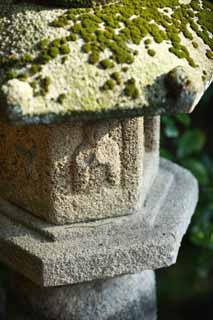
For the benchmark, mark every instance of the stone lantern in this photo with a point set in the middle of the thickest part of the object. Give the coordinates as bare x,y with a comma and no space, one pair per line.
87,206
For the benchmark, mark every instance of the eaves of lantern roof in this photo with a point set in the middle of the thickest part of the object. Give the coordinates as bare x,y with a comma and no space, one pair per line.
126,58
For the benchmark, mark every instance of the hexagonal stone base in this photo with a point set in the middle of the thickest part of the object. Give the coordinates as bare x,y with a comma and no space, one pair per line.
62,255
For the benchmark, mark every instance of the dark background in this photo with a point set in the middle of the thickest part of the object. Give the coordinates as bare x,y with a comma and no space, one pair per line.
185,290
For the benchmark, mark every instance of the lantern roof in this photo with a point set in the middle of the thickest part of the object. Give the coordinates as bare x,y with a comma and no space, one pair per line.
66,60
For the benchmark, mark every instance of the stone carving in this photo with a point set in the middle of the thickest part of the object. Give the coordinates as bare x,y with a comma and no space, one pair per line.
96,161
73,172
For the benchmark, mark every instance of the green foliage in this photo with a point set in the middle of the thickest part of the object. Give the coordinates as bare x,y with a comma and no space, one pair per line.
190,142
185,144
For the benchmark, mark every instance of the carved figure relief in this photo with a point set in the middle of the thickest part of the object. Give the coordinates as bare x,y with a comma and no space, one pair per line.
96,161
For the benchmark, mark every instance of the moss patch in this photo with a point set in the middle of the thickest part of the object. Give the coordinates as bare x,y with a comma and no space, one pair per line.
151,52
113,28
130,89
106,64
108,85
61,98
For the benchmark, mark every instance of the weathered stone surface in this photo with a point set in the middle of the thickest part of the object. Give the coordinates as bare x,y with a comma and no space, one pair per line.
151,151
66,3
56,255
74,91
76,173
130,297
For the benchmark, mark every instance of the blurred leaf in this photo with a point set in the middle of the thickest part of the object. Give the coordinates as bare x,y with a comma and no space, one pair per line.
203,235
171,130
170,127
183,119
190,142
198,169
166,154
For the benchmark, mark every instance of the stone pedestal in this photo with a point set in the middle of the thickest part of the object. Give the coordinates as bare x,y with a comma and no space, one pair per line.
78,271
129,297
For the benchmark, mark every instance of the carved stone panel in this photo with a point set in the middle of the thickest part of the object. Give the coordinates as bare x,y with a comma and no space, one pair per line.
73,172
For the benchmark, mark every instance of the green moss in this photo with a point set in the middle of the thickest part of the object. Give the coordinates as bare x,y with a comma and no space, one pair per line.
11,74
64,49
61,22
195,44
45,84
94,57
158,35
106,64
195,5
108,85
175,38
192,63
22,77
76,29
121,55
53,52
209,54
125,69
35,68
72,37
33,84
56,43
117,77
148,42
186,33
61,98
43,44
176,51
116,26
130,89
45,57
86,47
63,40
151,52
26,58
64,59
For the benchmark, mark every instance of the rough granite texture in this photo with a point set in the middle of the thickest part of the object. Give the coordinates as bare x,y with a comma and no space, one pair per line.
57,255
130,297
79,172
74,91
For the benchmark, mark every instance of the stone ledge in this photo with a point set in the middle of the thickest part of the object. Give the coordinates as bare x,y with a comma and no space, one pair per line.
53,256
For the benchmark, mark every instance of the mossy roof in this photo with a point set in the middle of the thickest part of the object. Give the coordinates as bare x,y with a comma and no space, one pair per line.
128,58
